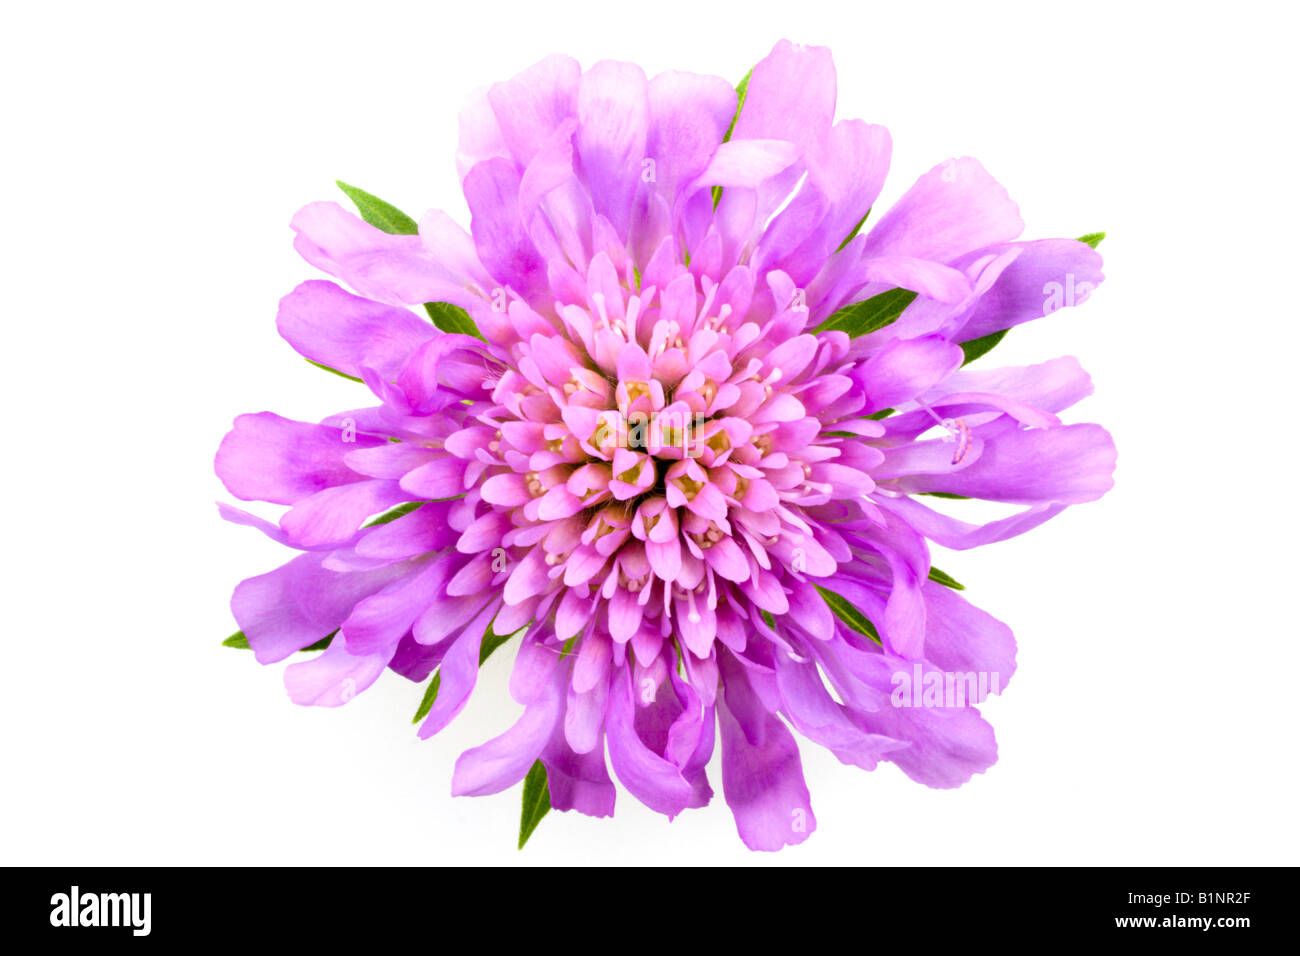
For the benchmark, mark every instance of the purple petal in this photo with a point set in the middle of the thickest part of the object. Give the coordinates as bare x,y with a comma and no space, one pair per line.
764,786
613,114
955,208
903,370
333,516
962,535
503,761
335,328
961,638
458,675
689,114
1070,464
747,163
578,781
334,676
268,458
503,244
790,96
299,603
398,270
650,778
530,106
1047,275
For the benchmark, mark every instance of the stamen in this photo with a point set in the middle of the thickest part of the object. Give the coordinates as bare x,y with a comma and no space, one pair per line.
957,431
598,299
633,312
694,615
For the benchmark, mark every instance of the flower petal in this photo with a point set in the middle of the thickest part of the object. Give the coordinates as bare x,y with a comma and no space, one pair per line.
953,209
763,784
344,331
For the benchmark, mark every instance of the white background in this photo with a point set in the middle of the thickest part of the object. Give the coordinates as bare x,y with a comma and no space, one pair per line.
153,156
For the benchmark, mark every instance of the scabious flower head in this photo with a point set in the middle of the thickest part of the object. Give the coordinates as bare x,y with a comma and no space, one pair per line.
684,463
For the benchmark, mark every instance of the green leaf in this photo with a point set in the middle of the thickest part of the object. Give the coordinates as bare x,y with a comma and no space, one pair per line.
320,645
856,229
451,318
1093,238
430,695
536,803
392,514
742,90
378,213
238,640
882,414
491,641
849,614
977,347
869,315
945,494
947,580
350,378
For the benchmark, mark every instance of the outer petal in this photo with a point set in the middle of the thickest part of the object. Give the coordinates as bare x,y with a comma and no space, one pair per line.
850,173
268,458
1047,275
953,209
960,638
961,535
394,269
480,134
650,778
763,784
334,676
816,715
300,602
930,279
613,114
947,745
746,163
1052,386
344,331
1070,464
503,761
578,781
457,675
530,106
492,191
332,516
903,370
790,96
380,620
689,115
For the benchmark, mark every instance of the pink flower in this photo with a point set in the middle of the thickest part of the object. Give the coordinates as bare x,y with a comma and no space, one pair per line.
674,463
